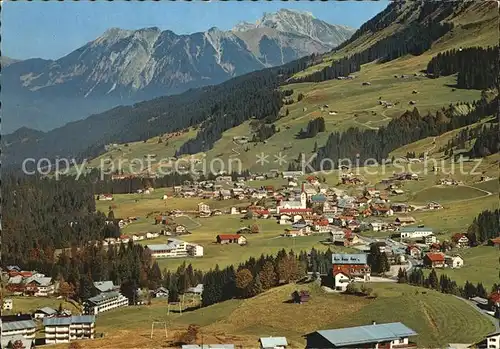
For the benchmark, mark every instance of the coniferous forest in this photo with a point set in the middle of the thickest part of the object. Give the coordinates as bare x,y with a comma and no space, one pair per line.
477,67
411,126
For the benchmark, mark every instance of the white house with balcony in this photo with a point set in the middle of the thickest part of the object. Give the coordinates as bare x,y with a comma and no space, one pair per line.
20,329
69,328
104,302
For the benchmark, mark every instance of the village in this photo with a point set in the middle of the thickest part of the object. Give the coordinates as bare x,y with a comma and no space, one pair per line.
358,221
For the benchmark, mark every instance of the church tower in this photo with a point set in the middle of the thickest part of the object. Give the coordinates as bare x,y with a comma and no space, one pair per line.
303,197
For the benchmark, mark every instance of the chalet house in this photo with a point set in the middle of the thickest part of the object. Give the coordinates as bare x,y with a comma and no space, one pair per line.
231,239
69,328
203,208
160,292
105,286
354,265
494,299
381,211
292,174
388,335
180,229
152,235
104,302
337,235
44,312
302,227
262,213
273,343
454,261
7,304
399,208
434,206
434,260
460,240
415,232
404,220
414,251
491,341
234,210
378,226
216,213
137,237
430,239
341,280
322,226
39,286
328,207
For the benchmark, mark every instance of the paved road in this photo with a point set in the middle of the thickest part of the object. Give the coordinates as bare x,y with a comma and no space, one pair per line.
493,320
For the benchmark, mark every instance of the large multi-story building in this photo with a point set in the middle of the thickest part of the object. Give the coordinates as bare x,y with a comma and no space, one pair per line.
175,248
69,328
104,302
19,326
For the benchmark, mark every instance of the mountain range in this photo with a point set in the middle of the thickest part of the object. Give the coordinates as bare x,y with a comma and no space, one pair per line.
126,66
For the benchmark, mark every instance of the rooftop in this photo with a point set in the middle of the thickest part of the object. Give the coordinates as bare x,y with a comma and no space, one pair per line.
272,342
358,258
103,297
68,320
18,325
367,334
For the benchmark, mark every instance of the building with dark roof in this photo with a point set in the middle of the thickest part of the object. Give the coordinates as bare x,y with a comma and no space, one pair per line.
104,302
66,329
381,336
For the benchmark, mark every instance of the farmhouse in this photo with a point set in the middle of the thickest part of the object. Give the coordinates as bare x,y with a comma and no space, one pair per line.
353,265
160,292
273,343
175,248
404,220
434,260
44,312
430,239
454,261
415,233
231,239
66,329
39,286
104,302
389,335
341,281
7,304
460,240
414,251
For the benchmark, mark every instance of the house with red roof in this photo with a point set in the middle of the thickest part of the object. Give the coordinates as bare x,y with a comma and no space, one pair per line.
231,239
494,299
434,260
414,251
321,226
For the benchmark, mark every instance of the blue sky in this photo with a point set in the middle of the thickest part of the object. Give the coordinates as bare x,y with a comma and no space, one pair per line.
53,29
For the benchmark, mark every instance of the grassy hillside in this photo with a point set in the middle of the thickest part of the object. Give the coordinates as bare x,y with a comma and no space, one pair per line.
438,319
355,105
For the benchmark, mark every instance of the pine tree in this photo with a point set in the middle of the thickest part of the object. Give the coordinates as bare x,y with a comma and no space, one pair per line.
244,280
433,281
257,286
267,276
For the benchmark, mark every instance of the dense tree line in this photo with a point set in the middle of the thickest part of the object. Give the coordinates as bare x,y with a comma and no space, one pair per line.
314,127
485,226
414,39
356,144
263,132
477,67
485,141
41,215
444,284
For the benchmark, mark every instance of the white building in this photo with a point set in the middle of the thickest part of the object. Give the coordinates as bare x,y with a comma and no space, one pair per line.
341,281
454,261
273,343
415,233
104,302
22,328
7,304
203,208
493,340
66,329
175,248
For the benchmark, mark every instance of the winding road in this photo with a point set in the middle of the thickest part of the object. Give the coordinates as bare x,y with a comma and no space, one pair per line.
494,321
